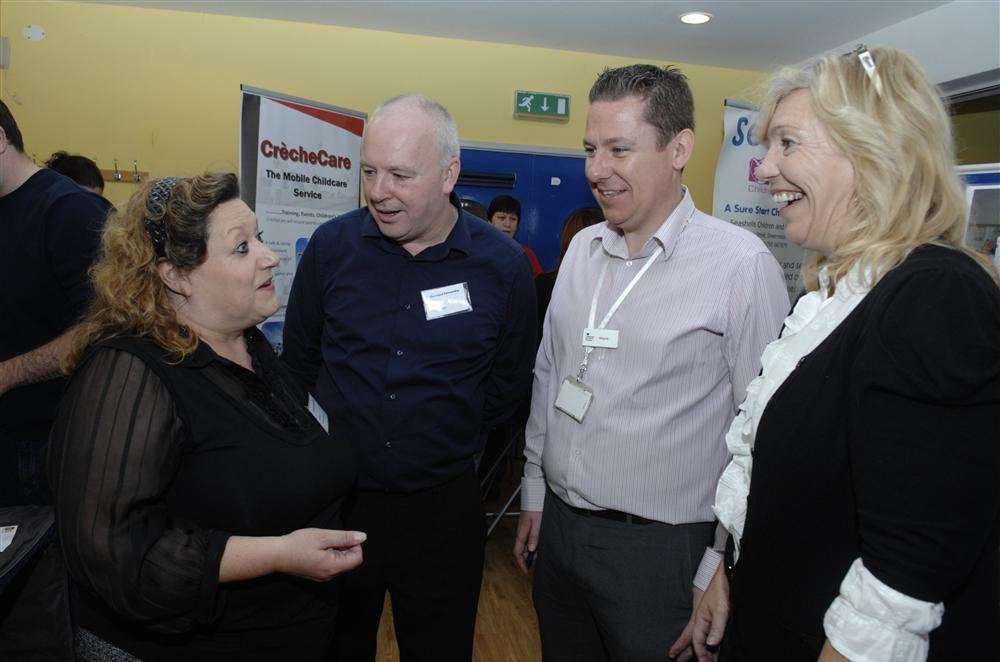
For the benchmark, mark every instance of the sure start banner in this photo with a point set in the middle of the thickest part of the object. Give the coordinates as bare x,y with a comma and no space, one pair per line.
744,200
299,167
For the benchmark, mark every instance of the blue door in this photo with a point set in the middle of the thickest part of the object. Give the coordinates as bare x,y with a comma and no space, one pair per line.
549,187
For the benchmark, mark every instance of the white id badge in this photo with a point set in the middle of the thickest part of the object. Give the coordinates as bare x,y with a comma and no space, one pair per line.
7,536
447,300
316,409
606,338
574,398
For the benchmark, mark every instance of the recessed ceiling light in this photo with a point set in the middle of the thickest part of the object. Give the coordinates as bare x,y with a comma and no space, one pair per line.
696,17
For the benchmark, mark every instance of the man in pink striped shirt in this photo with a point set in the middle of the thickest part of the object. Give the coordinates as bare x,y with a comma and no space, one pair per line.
656,326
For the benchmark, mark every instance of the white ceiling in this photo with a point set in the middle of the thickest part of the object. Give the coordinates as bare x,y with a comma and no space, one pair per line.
745,35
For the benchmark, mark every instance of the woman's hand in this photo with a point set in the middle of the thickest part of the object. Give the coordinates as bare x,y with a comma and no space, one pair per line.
318,554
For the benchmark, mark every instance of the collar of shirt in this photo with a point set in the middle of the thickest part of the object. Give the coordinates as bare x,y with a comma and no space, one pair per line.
459,239
667,235
203,355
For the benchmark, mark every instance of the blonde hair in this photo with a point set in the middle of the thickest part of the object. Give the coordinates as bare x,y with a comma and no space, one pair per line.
129,296
895,130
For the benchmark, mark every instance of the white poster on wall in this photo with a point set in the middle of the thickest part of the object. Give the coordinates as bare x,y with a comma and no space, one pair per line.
743,200
299,167
982,199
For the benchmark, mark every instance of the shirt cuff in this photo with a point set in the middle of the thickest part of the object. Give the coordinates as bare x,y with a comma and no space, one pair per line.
870,621
532,493
706,569
210,602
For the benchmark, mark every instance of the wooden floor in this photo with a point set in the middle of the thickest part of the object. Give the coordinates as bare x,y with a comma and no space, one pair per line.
506,628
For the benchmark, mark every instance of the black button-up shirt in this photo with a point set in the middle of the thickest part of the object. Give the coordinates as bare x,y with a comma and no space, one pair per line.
412,395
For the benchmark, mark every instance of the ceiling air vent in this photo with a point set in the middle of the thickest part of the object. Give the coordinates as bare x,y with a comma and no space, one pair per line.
487,179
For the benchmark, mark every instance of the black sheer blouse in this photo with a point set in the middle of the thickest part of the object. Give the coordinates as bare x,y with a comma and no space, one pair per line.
154,466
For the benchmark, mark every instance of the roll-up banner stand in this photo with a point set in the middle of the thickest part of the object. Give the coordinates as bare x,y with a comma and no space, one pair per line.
299,167
743,199
982,199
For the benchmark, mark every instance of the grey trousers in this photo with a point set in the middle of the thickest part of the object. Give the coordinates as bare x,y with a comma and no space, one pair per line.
606,590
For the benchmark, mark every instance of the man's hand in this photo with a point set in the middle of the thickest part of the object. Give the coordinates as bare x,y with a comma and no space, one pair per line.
710,617
527,537
682,650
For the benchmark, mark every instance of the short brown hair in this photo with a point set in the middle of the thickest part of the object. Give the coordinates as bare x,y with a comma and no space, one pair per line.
669,104
80,169
504,204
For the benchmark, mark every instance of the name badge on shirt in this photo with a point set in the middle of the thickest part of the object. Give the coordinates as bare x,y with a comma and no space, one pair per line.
316,409
7,534
447,300
606,338
574,398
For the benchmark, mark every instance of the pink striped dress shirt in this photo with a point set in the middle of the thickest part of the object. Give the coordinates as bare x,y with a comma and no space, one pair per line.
691,334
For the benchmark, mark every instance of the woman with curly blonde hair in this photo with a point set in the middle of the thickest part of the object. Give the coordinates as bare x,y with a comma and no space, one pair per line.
197,499
862,494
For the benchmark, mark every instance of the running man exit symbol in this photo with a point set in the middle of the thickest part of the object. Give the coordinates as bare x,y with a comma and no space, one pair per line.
542,105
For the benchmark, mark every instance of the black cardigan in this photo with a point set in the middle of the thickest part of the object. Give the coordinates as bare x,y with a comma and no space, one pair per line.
883,444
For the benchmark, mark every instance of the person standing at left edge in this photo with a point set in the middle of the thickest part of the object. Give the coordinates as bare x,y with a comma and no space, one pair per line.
412,322
50,231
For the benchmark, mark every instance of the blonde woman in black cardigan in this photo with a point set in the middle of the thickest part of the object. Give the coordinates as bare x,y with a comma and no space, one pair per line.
862,497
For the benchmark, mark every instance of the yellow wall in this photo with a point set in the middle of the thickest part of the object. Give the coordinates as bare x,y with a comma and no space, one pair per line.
162,87
977,137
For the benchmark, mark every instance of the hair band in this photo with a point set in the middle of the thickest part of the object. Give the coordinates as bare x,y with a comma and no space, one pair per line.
156,205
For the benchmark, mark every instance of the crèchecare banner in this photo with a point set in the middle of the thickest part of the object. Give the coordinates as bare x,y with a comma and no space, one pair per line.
744,200
299,167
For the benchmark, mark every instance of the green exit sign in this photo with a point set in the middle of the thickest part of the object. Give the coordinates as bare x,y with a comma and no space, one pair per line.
541,104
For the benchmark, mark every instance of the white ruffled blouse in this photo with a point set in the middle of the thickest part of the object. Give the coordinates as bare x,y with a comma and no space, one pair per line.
869,620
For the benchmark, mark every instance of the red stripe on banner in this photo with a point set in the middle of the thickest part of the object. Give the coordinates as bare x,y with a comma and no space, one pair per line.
355,125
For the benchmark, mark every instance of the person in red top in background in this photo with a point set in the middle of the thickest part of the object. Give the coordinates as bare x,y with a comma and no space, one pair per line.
504,214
